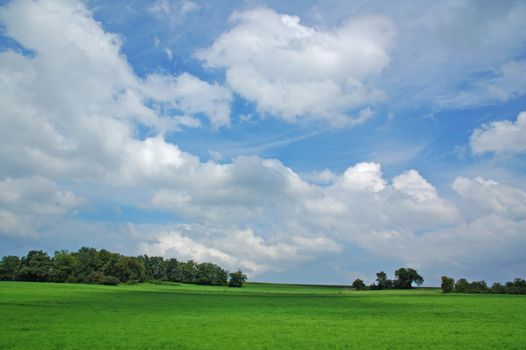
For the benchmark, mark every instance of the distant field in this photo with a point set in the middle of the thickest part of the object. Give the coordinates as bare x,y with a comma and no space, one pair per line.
258,316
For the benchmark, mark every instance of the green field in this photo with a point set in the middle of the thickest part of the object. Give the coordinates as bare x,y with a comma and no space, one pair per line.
257,316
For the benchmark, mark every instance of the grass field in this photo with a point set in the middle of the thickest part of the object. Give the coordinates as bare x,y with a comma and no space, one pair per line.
258,316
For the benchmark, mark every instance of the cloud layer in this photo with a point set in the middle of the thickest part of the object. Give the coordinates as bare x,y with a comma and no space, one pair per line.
500,137
292,71
80,128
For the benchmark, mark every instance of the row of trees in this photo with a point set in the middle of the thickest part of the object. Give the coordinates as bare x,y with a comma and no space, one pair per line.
90,265
448,285
404,279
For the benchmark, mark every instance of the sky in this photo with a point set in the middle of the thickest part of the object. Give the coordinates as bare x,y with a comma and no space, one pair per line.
299,141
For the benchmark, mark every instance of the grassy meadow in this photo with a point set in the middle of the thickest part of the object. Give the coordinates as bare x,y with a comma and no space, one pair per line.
257,316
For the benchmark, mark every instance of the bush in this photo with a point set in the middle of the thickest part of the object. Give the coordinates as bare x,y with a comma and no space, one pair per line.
132,282
109,280
98,277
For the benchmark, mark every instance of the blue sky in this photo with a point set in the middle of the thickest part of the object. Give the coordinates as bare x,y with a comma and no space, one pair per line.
301,141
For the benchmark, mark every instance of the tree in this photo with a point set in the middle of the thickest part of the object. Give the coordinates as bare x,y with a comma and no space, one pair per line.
382,281
86,263
478,287
155,267
188,271
130,268
63,269
173,270
462,286
35,266
237,279
211,274
358,284
9,268
405,277
448,284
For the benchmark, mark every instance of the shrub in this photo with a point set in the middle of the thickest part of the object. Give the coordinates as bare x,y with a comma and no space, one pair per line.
109,280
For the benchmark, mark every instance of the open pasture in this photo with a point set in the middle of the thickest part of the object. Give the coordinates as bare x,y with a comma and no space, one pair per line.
257,316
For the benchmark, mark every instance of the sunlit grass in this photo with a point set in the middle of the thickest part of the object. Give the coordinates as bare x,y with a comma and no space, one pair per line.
264,316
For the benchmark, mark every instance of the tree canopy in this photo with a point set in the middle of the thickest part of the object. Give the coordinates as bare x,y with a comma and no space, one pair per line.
89,265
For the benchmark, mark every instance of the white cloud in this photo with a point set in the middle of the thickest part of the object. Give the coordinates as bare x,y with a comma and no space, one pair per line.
27,203
363,176
492,197
500,137
70,115
321,177
77,63
237,248
293,71
413,184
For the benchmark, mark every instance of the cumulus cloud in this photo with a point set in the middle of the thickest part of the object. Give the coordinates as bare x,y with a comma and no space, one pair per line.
236,248
293,71
71,116
500,137
27,203
76,62
363,176
492,197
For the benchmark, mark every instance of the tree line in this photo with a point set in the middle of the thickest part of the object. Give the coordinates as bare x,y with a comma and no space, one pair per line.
404,279
449,285
89,265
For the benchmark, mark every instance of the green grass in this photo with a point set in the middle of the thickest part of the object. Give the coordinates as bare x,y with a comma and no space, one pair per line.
258,316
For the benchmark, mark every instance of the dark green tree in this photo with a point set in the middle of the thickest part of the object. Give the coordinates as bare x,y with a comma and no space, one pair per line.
462,286
405,277
382,281
35,266
448,284
64,265
9,268
155,267
188,271
358,284
174,271
86,263
237,279
130,268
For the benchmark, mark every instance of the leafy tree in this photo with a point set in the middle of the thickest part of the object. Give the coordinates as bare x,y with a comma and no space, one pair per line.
448,284
211,274
155,267
462,286
9,268
174,271
130,268
188,271
35,266
111,261
405,277
478,287
358,284
237,279
497,288
382,281
86,263
518,286
63,269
